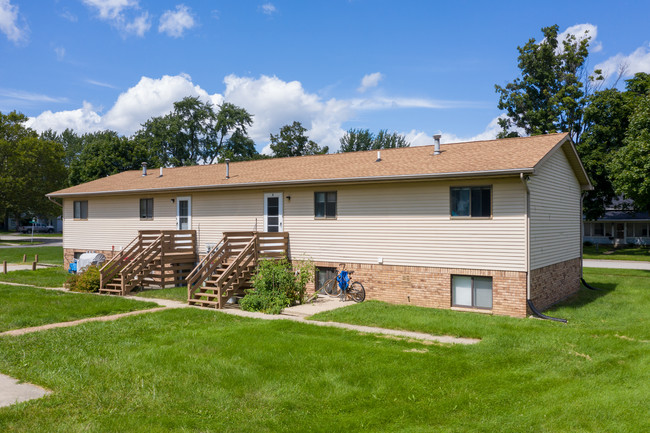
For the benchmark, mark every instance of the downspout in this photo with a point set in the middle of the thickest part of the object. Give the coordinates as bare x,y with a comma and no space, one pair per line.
54,201
529,302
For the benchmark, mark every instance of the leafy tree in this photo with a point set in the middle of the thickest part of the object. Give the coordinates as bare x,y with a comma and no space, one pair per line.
550,94
193,132
232,121
239,147
72,143
362,139
630,166
30,167
106,153
292,141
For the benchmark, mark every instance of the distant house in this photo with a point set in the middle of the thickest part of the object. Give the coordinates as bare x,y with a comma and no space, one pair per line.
620,225
477,226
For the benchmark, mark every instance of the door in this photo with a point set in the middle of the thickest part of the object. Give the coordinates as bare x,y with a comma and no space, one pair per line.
620,231
183,213
273,212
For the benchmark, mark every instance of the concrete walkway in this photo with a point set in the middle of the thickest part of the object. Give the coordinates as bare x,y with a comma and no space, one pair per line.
617,264
12,391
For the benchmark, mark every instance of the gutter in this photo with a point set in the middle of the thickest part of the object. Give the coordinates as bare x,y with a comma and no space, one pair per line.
54,201
366,179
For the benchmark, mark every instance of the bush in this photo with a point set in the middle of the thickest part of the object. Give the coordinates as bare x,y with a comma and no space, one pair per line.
88,281
71,282
276,285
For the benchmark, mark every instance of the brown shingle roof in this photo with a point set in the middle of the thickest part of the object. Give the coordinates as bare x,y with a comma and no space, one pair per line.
458,159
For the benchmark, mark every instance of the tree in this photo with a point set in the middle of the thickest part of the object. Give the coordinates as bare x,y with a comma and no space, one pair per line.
292,141
72,143
356,140
30,167
630,166
193,132
105,153
239,147
550,94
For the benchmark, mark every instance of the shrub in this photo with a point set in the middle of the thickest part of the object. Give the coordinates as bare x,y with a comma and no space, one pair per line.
88,281
71,282
276,285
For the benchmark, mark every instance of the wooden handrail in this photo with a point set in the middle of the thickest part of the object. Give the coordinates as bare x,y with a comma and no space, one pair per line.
209,256
217,259
236,264
115,265
141,262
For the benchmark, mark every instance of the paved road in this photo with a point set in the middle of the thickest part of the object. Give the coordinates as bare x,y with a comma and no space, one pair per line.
38,241
617,264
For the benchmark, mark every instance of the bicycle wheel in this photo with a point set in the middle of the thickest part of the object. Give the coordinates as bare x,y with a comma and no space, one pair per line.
331,288
357,292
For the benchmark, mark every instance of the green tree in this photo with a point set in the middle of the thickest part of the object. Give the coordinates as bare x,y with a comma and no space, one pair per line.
549,96
292,141
630,165
105,153
239,147
72,143
356,140
193,132
30,167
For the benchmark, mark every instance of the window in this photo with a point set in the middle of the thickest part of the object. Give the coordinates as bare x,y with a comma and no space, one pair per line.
599,229
469,291
587,229
325,204
146,208
80,210
640,230
475,201
322,275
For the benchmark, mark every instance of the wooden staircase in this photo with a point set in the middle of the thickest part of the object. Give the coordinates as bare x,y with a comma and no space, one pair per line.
154,258
228,267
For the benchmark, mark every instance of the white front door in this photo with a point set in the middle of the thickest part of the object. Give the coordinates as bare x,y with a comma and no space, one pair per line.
273,212
183,213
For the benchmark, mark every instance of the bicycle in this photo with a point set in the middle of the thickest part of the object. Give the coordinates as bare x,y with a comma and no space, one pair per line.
342,287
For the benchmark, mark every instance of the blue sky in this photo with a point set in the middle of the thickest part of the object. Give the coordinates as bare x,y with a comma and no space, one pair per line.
414,67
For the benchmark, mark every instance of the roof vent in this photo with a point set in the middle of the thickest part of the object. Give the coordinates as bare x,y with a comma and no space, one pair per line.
160,171
436,147
378,156
144,168
227,168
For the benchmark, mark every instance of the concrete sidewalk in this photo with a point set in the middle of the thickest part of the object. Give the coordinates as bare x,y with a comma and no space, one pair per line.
12,391
617,264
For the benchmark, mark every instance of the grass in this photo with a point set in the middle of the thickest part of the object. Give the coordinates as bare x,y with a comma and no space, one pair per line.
41,235
43,277
23,307
194,370
50,255
607,252
173,293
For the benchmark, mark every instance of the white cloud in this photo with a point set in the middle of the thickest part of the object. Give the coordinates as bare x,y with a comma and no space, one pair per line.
174,23
69,16
637,61
268,8
370,80
272,102
582,31
60,53
100,84
82,120
9,23
139,26
115,12
28,96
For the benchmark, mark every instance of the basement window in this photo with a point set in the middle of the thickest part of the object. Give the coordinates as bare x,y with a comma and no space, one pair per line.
322,275
468,291
80,210
471,201
325,204
146,208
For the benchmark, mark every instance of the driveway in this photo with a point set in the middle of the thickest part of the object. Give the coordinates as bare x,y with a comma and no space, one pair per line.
617,264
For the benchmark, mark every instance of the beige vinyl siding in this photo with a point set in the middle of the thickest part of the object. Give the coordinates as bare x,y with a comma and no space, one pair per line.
404,223
114,221
554,212
409,224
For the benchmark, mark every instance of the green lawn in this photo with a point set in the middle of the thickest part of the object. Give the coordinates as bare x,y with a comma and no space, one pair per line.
173,293
607,252
52,255
22,307
42,277
195,370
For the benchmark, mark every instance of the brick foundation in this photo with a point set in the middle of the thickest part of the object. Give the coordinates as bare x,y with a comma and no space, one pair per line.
431,287
554,283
